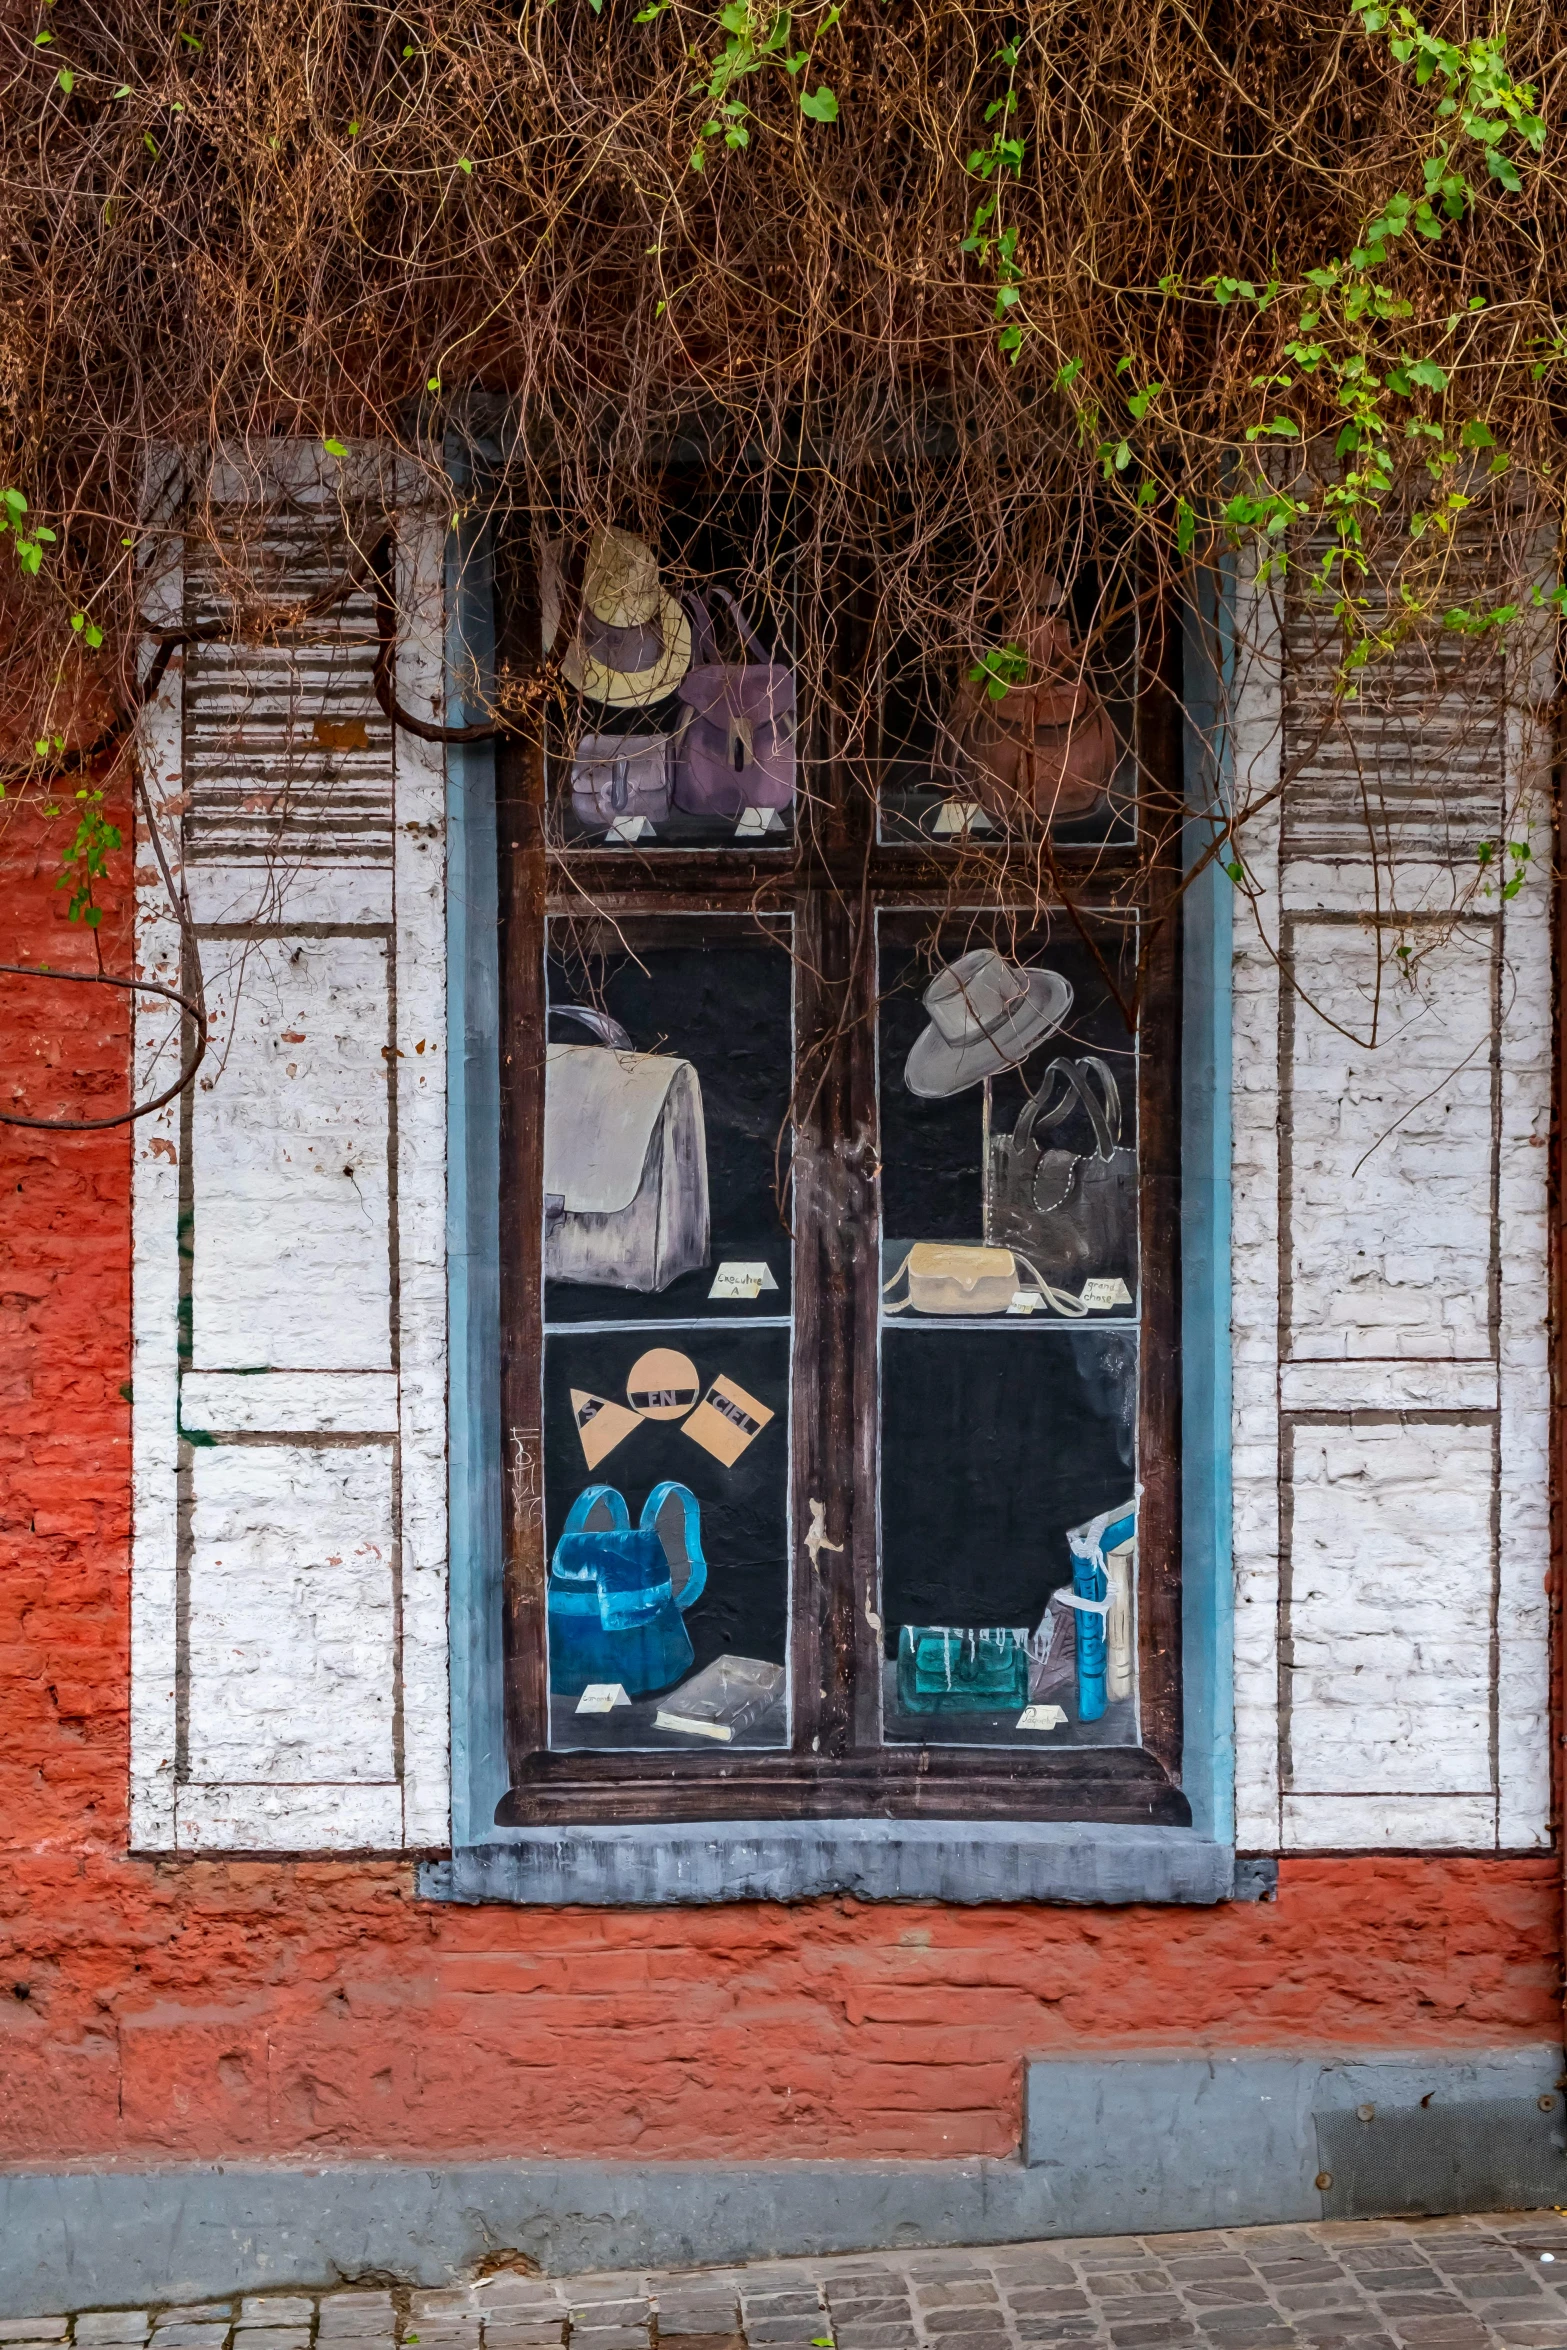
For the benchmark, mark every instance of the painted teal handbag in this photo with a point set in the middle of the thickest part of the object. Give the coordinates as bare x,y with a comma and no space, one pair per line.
618,1593
944,1669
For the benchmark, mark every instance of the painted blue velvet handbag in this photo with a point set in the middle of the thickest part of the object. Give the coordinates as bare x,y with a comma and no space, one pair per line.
618,1593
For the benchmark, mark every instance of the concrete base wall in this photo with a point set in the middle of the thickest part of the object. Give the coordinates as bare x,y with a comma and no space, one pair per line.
1144,2145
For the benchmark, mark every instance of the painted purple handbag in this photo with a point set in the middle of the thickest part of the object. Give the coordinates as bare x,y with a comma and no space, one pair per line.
737,749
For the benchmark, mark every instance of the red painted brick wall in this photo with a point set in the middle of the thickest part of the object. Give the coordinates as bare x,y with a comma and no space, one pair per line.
206,2009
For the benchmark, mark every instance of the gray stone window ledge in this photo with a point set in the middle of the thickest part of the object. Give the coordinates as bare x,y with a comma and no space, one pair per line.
875,1860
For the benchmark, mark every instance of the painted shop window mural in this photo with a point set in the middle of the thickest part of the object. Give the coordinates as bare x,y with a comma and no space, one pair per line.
1009,1353
841,1403
667,1333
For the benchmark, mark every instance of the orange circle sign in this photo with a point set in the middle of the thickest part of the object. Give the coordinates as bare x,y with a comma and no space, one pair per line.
663,1385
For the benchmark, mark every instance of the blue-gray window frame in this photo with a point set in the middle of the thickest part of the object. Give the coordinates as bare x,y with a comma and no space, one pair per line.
739,1859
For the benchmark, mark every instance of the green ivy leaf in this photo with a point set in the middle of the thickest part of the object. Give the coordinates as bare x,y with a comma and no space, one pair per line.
1427,374
334,448
820,105
999,668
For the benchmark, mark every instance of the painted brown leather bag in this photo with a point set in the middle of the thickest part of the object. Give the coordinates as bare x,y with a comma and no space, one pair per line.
1044,753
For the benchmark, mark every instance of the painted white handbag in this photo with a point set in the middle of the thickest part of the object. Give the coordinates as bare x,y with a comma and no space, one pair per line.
625,1162
619,775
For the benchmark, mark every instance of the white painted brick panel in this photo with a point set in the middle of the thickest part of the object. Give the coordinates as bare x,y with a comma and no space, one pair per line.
1389,1823
1389,1613
1357,1384
288,1819
300,897
290,1228
1415,1617
1391,1149
313,1571
294,1403
292,1613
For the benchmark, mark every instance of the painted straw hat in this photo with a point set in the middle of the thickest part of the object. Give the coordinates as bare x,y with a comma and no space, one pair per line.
985,1016
633,640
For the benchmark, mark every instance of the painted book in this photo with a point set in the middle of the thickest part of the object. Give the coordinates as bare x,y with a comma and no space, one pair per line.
731,1694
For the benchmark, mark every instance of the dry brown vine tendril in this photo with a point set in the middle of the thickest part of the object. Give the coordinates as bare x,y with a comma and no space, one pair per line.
470,241
194,1005
138,986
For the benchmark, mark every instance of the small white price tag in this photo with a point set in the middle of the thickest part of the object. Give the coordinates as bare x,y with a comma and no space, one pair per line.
1102,1293
601,1697
735,1278
1025,1301
1041,1717
956,816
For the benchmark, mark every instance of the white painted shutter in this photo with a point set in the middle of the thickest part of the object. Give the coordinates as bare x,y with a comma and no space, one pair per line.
289,1687
1391,1286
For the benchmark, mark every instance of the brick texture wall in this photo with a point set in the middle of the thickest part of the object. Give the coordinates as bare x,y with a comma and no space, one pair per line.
1391,1290
193,2008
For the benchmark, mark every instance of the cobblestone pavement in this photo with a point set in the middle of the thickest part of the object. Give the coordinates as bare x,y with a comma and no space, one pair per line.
1497,2283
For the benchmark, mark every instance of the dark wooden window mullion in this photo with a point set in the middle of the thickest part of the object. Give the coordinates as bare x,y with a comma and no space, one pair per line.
835,1333
823,1497
861,1576
849,1252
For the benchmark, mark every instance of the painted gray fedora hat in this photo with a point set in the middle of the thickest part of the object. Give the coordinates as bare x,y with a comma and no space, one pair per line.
985,1016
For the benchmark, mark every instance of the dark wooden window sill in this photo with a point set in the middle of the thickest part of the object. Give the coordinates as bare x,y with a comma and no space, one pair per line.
1123,1785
